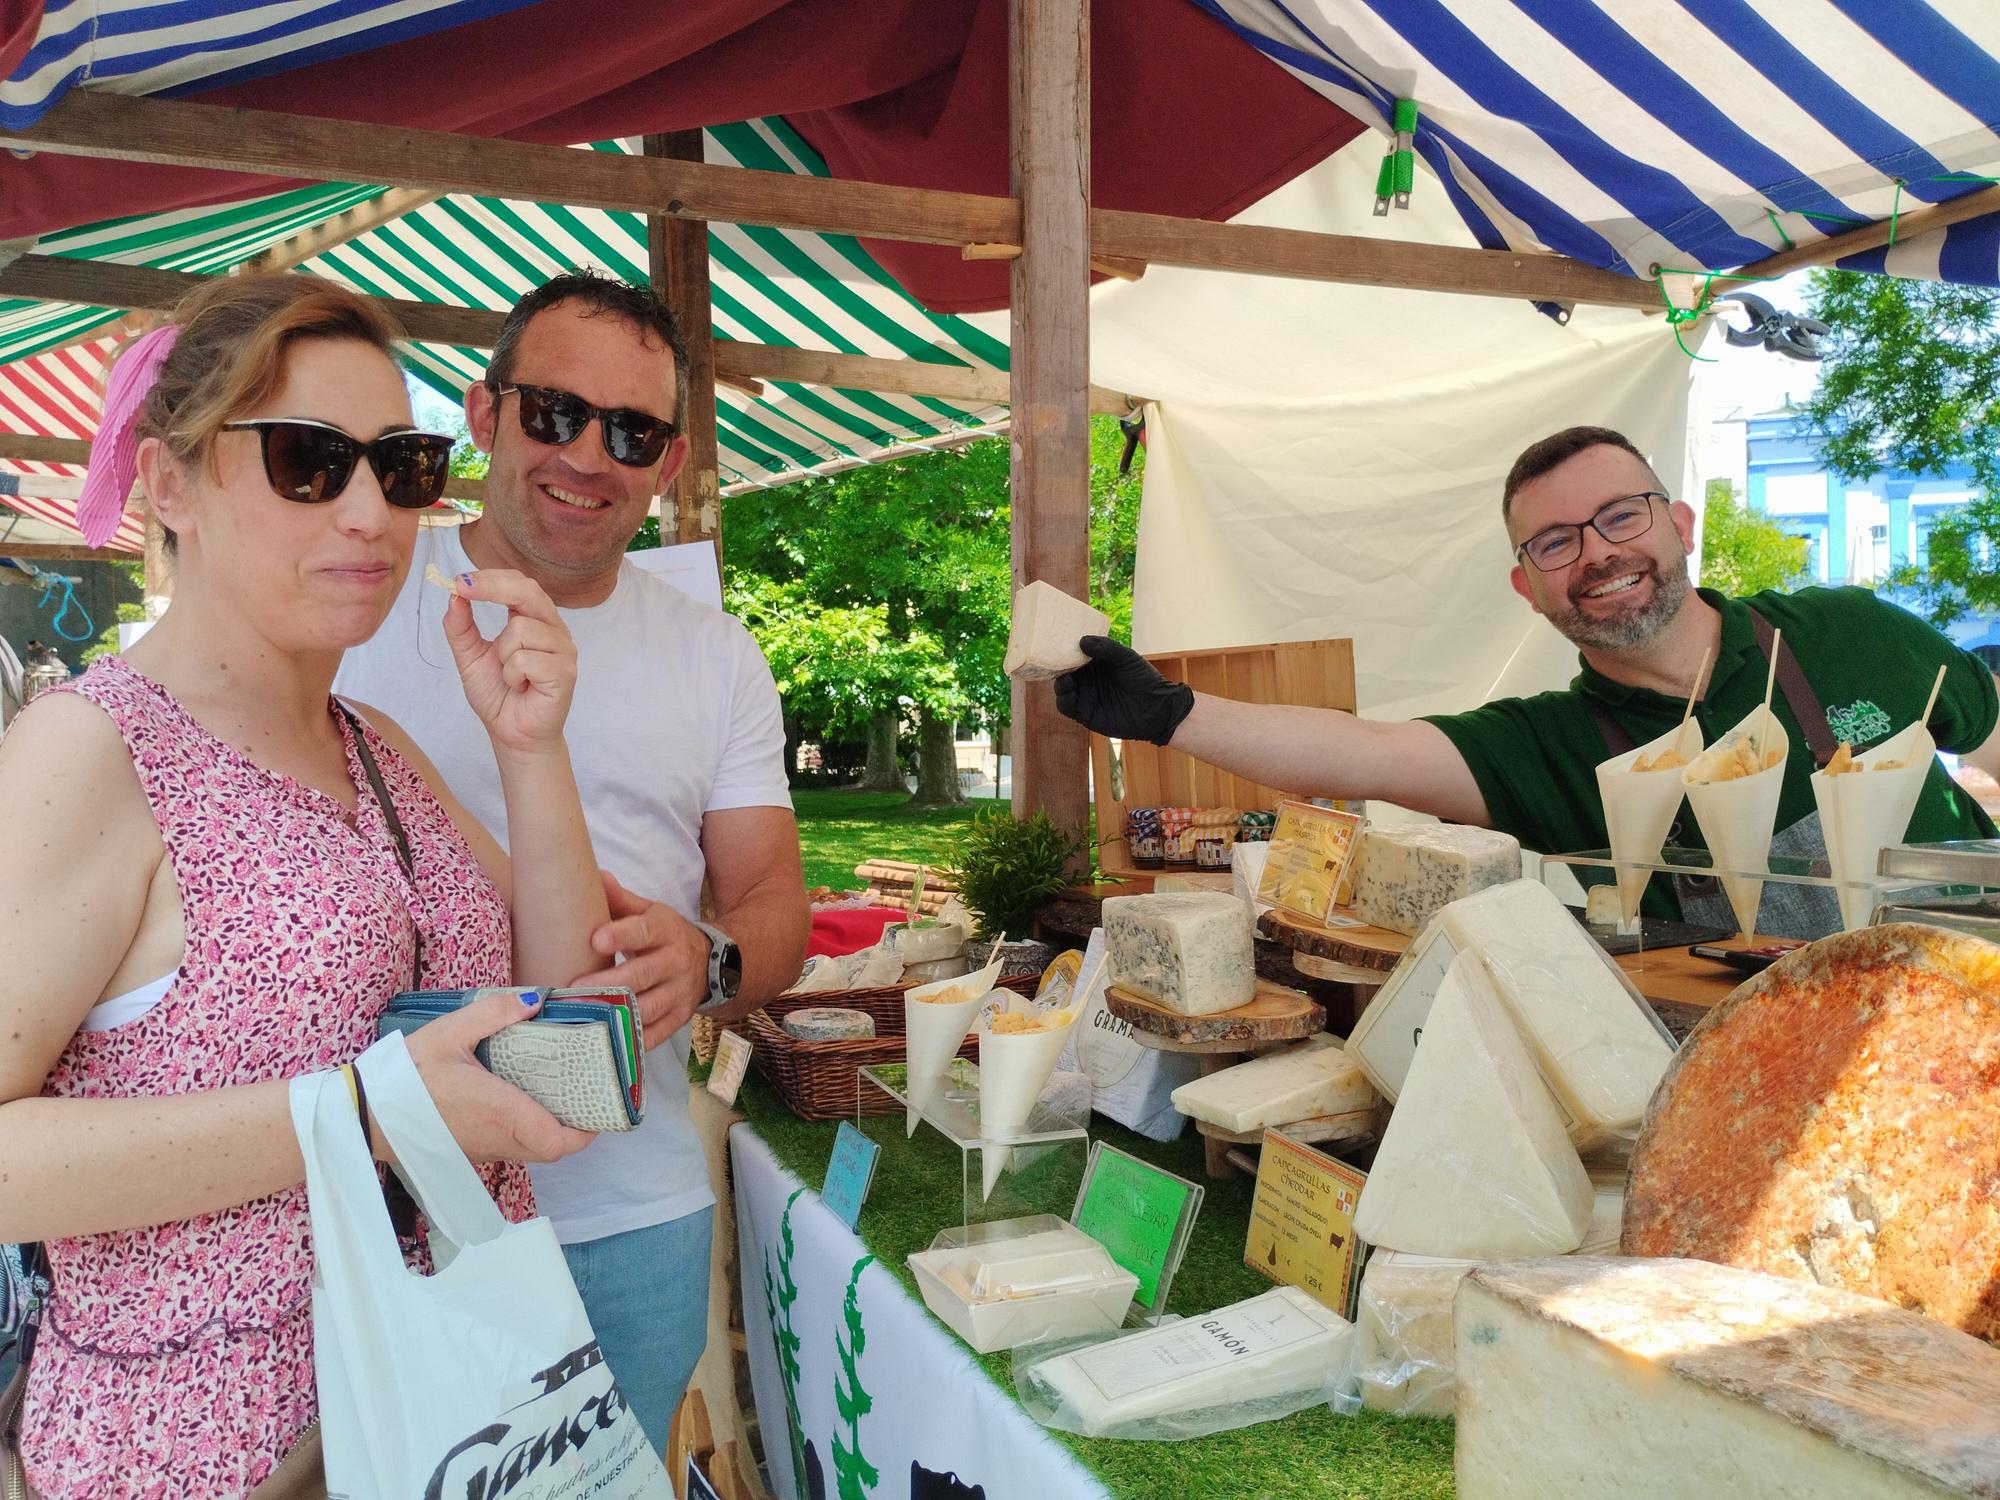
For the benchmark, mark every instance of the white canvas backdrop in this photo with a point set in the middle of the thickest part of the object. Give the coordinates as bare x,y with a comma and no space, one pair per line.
1326,460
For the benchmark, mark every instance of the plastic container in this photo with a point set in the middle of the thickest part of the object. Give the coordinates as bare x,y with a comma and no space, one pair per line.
1022,1281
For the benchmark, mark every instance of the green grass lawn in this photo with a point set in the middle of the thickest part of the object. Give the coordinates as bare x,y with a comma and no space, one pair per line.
840,829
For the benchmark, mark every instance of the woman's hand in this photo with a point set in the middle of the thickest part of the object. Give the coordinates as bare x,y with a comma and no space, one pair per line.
490,1120
519,683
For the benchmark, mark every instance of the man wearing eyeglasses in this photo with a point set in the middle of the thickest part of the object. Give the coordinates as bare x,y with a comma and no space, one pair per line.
1601,551
677,739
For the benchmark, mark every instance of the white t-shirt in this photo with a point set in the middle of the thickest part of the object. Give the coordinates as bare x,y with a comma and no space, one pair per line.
675,716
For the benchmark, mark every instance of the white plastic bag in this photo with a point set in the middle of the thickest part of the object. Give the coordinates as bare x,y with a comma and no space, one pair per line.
481,1378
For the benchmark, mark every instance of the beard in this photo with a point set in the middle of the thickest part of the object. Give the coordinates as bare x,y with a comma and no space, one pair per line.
1632,627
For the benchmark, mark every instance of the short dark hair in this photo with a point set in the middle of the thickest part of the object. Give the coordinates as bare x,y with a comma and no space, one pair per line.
634,306
1558,448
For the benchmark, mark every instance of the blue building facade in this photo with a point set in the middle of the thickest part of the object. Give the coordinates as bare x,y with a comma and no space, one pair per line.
1857,532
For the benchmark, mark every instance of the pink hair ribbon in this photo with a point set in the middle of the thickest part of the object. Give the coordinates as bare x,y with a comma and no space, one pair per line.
114,461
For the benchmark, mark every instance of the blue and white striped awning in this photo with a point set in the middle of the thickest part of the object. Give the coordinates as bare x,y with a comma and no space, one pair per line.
1703,135
147,47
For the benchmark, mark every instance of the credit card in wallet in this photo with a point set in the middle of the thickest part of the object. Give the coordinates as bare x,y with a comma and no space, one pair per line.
578,1056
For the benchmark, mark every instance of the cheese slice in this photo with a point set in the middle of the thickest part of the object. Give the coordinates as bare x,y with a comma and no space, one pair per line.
1408,872
1597,1045
1315,1078
1272,1345
1475,1162
1189,950
1662,1379
1042,641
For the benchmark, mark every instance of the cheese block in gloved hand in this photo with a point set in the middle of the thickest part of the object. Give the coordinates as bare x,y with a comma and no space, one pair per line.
1047,626
1119,694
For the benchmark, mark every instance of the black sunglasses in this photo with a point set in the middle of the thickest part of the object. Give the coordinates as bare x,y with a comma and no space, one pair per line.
311,462
558,418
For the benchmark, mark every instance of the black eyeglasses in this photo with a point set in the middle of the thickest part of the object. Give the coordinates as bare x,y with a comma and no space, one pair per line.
310,462
633,438
1617,520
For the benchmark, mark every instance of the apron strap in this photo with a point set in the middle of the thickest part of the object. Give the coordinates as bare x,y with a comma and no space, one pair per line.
1799,695
1616,739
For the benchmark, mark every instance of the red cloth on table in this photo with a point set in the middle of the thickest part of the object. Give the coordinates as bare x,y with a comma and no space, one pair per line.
849,931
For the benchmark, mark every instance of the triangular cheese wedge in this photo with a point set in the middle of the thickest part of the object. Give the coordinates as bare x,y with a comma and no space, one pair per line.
1639,807
1046,628
1475,1162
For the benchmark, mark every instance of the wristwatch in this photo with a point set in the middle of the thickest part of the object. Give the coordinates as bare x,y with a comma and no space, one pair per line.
725,968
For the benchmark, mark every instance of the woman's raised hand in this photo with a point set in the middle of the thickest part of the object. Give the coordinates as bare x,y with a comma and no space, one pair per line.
519,683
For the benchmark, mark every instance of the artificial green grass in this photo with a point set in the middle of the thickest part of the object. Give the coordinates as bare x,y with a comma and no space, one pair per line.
840,829
1312,1456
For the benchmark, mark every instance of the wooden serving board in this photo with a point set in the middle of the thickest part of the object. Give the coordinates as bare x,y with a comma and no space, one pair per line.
1372,948
1274,1016
1356,1125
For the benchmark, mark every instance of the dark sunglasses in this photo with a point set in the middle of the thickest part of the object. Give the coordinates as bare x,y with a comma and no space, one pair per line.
557,418
311,462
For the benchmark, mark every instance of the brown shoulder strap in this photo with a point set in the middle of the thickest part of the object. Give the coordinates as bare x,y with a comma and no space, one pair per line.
1798,693
1616,739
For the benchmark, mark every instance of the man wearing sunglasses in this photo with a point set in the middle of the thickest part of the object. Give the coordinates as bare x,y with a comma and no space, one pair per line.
1600,550
677,739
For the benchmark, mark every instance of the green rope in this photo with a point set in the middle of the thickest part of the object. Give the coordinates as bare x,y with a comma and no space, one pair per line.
1895,212
1783,238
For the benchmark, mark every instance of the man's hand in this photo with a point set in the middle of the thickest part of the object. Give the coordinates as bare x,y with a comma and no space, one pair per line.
1118,693
665,964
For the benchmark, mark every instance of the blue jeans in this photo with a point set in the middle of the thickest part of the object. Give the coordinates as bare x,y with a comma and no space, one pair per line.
646,1292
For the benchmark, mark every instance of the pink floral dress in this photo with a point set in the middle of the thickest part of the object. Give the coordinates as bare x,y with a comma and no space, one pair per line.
177,1361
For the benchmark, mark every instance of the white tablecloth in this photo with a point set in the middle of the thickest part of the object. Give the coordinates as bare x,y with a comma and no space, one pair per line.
853,1377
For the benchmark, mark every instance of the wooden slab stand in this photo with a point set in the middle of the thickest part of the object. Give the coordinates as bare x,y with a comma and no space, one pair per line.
1355,1125
1275,1016
1373,948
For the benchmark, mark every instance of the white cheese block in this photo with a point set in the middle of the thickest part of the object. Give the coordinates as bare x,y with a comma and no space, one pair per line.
828,1023
1597,1044
1607,1216
1408,872
1475,1162
1190,951
1316,1077
1404,1324
1271,1345
1603,907
1048,623
1663,1379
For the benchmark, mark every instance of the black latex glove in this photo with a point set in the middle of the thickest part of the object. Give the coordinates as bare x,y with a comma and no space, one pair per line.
1118,694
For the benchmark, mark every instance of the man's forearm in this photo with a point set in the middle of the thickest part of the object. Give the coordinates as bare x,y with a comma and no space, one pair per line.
769,927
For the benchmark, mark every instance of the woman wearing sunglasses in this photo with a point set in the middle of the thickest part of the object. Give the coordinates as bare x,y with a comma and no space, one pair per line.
215,876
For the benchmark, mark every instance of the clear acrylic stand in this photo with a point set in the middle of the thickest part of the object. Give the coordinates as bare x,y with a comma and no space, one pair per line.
1045,1158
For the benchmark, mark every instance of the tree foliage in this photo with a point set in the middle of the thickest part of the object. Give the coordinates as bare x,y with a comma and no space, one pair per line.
1743,552
1911,382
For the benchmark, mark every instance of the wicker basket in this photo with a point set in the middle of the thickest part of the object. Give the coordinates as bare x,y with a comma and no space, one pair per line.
817,1079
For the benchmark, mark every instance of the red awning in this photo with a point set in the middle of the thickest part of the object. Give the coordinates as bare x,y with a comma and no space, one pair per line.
1187,118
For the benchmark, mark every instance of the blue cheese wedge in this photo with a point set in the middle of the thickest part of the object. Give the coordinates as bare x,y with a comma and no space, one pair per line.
1651,1379
829,1023
1190,951
1407,873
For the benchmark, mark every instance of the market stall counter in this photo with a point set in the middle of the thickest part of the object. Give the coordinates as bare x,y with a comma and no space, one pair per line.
855,1378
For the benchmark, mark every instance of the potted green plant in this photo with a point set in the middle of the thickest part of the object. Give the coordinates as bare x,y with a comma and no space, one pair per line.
1007,869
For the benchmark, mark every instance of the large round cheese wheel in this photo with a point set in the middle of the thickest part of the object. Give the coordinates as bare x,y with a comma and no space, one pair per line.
1837,1120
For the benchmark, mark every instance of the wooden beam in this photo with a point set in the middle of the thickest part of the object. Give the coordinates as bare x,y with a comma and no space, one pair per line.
1257,250
177,133
384,207
106,284
678,249
1049,282
1870,236
57,552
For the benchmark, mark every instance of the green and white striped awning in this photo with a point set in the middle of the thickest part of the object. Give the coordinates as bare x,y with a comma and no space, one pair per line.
812,291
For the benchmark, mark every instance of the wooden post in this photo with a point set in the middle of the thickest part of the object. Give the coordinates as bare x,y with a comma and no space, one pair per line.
678,249
1049,285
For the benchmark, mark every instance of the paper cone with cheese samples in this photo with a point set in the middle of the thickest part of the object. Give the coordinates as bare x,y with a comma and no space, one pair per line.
1866,808
1737,807
1639,806
1048,623
936,1018
1014,1067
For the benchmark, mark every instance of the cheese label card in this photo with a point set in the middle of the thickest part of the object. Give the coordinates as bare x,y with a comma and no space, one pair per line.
849,1172
1142,1215
732,1061
1302,1222
1311,851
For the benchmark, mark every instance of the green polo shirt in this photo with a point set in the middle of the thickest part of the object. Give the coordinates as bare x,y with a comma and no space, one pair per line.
1870,663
